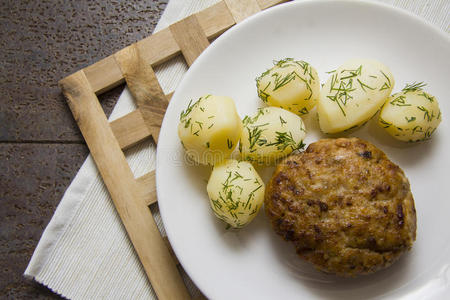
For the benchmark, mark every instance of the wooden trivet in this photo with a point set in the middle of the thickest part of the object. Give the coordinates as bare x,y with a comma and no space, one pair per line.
134,65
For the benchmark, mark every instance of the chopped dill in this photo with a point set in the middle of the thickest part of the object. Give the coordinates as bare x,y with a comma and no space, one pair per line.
200,124
427,96
343,86
364,86
261,142
353,73
240,189
426,113
254,135
248,120
417,129
413,87
334,98
216,203
186,112
385,124
237,175
303,111
189,108
400,101
428,133
187,123
410,119
263,94
226,184
387,84
283,140
253,212
229,144
280,80
301,145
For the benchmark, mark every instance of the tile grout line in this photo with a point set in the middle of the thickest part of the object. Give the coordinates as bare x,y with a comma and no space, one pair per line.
42,142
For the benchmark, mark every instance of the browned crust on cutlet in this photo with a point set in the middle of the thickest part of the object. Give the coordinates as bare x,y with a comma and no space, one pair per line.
346,207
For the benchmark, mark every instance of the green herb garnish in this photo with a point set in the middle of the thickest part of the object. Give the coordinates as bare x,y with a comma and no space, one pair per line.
426,113
229,144
283,140
413,87
400,101
409,120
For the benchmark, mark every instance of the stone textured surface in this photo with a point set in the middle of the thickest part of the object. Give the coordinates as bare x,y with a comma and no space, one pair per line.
41,148
44,41
33,179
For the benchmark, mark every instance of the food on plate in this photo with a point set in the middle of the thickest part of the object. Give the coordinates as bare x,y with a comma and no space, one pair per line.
270,135
346,207
411,115
353,94
210,129
236,192
290,84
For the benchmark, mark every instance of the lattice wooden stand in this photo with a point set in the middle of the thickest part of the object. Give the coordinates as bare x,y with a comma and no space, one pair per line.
134,65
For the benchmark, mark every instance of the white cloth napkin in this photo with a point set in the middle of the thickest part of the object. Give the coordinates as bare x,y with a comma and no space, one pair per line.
84,253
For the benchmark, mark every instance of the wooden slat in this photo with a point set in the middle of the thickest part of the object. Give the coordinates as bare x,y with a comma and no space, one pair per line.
169,96
144,87
215,19
159,47
147,186
162,46
122,186
169,246
104,75
190,37
242,9
269,3
130,129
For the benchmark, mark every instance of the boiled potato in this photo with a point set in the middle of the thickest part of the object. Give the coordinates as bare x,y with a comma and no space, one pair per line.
411,115
353,94
236,192
210,129
290,84
271,134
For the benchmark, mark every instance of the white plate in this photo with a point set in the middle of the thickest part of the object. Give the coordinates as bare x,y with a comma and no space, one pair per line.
254,263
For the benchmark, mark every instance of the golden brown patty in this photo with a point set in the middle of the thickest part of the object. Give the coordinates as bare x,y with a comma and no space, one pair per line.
347,208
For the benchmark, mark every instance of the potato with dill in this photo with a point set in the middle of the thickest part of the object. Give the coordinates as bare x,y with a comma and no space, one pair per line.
236,192
271,134
210,129
353,94
290,84
411,115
